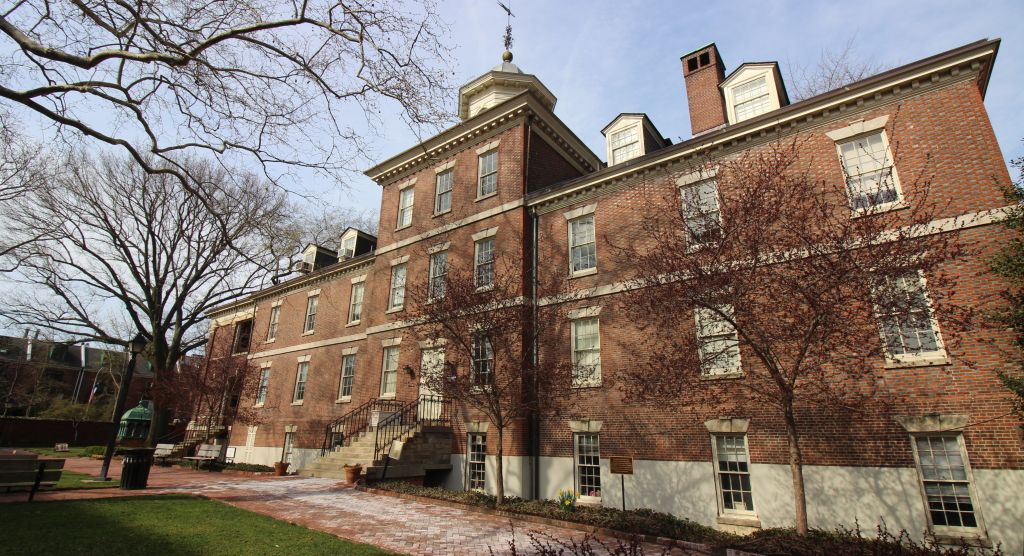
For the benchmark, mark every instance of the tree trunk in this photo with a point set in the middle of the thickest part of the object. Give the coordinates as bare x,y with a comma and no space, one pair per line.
796,467
500,486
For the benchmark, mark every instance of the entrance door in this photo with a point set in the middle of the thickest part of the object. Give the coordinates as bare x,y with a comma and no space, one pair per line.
431,367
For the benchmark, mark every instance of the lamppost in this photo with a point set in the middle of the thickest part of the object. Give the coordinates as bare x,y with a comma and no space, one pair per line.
135,347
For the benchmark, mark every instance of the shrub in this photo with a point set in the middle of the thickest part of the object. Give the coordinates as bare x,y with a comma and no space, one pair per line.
249,467
94,450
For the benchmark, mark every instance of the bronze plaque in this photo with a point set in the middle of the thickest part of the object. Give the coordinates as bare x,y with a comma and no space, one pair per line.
622,465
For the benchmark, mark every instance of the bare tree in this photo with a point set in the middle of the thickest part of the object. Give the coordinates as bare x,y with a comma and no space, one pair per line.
490,335
22,169
134,249
271,84
834,69
762,291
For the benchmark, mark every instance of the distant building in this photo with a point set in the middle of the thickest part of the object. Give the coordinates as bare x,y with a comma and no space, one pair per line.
329,341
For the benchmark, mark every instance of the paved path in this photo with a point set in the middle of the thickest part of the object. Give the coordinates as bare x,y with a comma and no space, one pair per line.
404,526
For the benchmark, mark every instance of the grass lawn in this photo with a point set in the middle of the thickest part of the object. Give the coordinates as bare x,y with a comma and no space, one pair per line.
157,525
71,480
73,452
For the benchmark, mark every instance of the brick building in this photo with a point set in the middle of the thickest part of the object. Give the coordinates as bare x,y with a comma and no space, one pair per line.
511,178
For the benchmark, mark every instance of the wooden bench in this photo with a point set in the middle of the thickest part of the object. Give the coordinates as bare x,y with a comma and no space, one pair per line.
24,471
163,451
60,447
206,452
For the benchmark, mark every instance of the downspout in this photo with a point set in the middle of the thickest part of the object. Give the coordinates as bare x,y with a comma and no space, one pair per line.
535,422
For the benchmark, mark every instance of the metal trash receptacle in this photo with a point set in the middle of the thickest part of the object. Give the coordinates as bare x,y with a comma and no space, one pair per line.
135,468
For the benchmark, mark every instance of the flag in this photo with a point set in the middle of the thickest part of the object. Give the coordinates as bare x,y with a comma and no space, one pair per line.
95,388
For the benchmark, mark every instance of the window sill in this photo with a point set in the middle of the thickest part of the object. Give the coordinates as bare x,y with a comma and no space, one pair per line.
400,228
937,360
436,214
589,384
388,396
270,341
353,323
344,399
879,209
737,520
257,406
395,309
297,403
581,273
952,538
308,333
485,197
589,500
722,376
485,288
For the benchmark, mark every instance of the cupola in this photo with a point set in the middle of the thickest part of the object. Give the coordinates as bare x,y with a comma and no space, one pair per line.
501,83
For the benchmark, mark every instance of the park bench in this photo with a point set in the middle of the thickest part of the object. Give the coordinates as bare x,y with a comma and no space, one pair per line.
206,452
163,451
60,447
21,471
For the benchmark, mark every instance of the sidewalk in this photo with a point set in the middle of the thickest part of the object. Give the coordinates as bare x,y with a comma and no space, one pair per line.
409,527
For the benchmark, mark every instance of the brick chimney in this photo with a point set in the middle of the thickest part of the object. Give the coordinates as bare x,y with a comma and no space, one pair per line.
704,71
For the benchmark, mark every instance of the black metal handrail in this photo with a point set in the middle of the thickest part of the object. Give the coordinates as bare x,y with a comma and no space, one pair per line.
425,410
342,430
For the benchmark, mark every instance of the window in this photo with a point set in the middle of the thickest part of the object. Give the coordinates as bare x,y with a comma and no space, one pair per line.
438,275
397,298
718,343
701,214
405,200
287,449
311,304
301,374
870,176
588,464
732,472
582,245
625,144
243,336
355,307
907,324
488,174
751,99
483,361
275,316
443,192
348,373
348,247
586,352
261,390
477,470
946,479
483,266
389,374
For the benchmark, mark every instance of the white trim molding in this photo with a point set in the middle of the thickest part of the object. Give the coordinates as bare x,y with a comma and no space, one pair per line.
439,247
400,260
727,425
444,167
311,293
277,303
483,234
857,128
391,342
304,358
576,213
488,147
350,351
932,423
587,426
435,343
700,175
585,312
358,279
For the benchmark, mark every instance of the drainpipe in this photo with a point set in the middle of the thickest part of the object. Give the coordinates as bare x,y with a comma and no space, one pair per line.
535,421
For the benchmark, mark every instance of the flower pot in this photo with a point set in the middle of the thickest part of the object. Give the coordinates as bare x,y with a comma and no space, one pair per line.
352,473
280,468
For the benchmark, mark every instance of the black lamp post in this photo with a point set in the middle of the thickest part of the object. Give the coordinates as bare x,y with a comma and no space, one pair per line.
135,347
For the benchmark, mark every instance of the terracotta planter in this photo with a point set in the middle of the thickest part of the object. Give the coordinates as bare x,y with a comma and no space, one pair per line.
352,473
280,468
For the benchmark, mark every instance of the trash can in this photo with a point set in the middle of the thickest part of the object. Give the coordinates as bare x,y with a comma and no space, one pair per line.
135,468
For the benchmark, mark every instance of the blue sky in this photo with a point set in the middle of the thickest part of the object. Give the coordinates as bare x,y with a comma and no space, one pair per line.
601,58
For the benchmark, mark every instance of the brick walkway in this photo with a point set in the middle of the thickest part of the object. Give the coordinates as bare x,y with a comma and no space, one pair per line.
405,526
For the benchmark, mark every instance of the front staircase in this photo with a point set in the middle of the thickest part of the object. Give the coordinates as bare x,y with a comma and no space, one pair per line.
389,439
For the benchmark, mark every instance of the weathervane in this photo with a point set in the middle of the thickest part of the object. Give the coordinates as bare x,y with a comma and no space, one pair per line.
507,56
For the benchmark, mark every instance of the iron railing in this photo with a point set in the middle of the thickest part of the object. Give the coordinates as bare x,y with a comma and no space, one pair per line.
341,431
425,410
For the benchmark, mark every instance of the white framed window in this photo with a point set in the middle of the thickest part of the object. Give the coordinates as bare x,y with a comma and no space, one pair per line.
389,372
348,247
275,316
443,191
483,263
243,336
396,297
910,332
261,388
751,98
476,468
487,182
586,352
288,448
483,361
355,306
587,450
438,278
301,375
348,373
702,217
870,175
625,144
405,201
947,484
718,343
311,305
582,245
732,474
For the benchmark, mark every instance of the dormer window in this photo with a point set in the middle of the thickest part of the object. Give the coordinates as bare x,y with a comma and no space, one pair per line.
348,247
752,90
751,99
625,144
